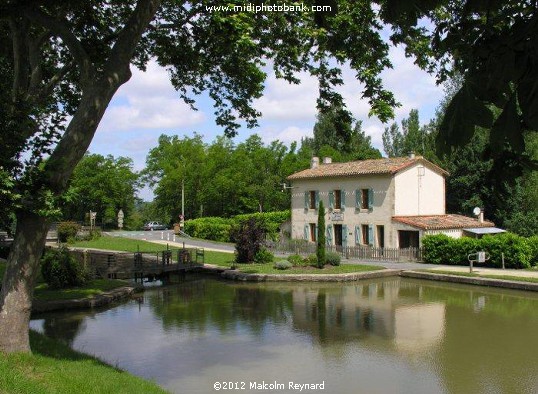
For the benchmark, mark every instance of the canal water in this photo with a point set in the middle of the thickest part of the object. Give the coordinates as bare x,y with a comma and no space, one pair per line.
392,335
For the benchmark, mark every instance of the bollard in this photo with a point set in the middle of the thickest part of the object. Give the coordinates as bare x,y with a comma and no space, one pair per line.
162,235
174,237
502,257
168,236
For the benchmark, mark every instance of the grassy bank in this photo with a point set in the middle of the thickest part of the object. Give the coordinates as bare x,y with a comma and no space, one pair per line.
55,368
134,245
328,269
91,289
474,275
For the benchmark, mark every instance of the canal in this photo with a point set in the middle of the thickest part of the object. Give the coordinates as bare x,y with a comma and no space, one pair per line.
391,335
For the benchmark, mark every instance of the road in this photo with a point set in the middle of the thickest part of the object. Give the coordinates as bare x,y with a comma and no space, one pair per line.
168,237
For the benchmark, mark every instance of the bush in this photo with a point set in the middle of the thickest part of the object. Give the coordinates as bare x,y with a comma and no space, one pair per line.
249,237
518,251
282,265
295,260
311,260
264,256
67,231
332,258
533,245
212,228
271,221
60,269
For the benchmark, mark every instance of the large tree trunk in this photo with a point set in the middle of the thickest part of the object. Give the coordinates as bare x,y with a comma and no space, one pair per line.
98,89
19,282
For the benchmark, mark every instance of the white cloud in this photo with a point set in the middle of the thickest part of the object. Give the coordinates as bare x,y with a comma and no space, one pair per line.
286,135
287,102
148,101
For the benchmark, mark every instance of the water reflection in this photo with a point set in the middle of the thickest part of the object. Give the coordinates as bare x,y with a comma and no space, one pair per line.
392,335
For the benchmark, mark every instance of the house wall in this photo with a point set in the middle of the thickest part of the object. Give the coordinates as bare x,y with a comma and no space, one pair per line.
380,214
419,195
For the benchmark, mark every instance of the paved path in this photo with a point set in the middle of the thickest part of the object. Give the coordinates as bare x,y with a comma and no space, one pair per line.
167,237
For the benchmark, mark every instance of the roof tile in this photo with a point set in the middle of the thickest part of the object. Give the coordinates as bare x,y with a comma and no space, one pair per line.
364,167
440,222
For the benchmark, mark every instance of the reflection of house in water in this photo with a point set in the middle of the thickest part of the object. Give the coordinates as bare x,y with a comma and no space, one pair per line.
387,309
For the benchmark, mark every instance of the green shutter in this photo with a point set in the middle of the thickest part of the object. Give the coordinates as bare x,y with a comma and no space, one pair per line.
316,234
331,199
358,199
342,200
371,234
317,199
357,235
307,232
344,235
306,200
329,235
370,199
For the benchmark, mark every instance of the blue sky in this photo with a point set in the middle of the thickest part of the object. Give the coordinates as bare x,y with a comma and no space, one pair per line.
148,106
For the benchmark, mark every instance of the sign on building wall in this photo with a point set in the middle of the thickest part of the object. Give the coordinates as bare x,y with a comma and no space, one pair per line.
336,216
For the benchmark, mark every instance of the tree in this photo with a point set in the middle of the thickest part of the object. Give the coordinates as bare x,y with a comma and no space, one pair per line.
492,45
63,61
103,184
320,248
339,136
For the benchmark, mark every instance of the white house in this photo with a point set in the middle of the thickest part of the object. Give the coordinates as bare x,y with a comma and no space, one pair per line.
390,202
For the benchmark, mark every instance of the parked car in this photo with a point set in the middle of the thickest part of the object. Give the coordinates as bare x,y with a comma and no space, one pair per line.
150,226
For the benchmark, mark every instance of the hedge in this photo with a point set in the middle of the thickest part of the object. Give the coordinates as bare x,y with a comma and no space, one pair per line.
219,229
519,252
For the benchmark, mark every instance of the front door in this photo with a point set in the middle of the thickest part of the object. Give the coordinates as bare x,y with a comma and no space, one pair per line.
338,234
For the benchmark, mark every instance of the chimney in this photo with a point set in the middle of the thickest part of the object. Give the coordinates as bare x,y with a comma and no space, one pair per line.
314,163
411,155
327,160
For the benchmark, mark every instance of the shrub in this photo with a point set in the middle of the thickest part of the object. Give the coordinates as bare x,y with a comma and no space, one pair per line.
60,269
436,249
271,221
212,228
67,231
282,265
533,245
295,260
518,251
249,237
264,256
311,259
332,258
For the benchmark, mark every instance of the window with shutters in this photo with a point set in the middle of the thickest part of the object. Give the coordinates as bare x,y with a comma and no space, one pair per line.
312,200
365,200
313,232
365,232
337,199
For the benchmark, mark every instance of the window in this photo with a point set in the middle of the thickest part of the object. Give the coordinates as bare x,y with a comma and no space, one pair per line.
337,199
365,231
313,232
365,200
312,199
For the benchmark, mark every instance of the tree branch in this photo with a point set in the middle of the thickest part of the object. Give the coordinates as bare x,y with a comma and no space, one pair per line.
60,28
128,38
40,93
20,59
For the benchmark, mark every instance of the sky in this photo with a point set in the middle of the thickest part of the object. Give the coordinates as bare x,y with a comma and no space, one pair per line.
148,106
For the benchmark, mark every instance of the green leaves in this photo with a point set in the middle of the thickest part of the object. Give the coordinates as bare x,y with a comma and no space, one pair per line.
462,114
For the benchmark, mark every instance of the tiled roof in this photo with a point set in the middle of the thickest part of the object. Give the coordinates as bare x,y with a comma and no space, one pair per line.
364,167
441,222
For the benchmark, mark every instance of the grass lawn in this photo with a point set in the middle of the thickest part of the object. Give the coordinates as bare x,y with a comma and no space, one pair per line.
133,245
328,269
474,275
93,288
55,368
